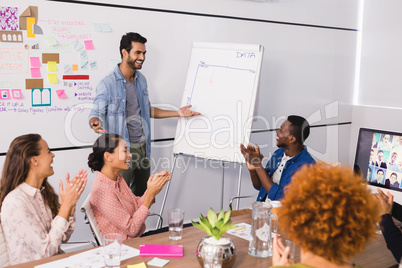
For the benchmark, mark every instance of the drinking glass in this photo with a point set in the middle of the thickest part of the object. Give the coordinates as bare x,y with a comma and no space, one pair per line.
112,249
175,220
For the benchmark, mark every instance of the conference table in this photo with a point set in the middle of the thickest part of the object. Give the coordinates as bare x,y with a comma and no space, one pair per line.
375,254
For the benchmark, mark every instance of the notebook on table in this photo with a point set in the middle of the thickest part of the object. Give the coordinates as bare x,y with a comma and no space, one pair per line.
157,250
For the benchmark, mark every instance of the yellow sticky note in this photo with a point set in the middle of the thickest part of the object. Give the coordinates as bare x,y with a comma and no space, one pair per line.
138,265
30,23
75,67
52,66
52,78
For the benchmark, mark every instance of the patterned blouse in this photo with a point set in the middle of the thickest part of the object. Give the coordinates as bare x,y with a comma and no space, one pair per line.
116,208
30,230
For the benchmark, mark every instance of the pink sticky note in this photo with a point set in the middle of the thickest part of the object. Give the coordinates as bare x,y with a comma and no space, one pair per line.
35,62
61,94
35,72
89,45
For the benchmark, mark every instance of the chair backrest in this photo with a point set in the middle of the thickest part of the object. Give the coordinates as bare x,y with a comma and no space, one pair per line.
3,249
86,208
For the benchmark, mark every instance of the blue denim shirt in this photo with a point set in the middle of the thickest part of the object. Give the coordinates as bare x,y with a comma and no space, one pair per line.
291,166
110,105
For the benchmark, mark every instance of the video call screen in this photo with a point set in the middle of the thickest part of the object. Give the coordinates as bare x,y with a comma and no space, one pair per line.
379,158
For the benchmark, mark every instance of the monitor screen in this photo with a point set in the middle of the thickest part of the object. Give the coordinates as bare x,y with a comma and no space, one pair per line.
379,158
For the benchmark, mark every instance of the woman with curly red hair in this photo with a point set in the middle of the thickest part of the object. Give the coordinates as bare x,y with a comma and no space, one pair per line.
330,213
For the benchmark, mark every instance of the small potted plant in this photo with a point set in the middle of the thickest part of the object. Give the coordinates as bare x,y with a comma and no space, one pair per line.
215,226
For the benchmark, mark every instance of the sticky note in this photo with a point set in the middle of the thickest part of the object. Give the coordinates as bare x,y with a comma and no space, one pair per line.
61,94
4,94
17,94
52,78
52,66
105,27
35,72
35,62
93,65
158,262
68,69
75,67
84,65
138,265
33,83
76,45
89,45
51,41
30,23
83,54
97,27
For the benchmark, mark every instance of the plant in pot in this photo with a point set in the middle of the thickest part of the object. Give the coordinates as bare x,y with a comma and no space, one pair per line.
215,245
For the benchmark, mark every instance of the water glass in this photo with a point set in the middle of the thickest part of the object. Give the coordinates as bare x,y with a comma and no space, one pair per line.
262,228
289,243
112,249
175,220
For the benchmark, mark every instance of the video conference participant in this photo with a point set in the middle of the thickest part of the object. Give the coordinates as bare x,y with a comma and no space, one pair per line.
115,207
122,106
34,222
380,160
379,177
329,213
285,161
392,181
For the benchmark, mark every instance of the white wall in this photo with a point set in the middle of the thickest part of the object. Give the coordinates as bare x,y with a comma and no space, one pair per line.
379,101
306,70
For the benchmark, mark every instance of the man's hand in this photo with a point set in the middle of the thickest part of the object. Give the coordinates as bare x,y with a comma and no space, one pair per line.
96,125
185,112
386,201
252,155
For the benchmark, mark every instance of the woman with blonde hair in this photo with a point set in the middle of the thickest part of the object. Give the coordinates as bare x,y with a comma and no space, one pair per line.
330,213
34,222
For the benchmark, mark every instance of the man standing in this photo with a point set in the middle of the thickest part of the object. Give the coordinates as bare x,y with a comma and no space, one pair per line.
122,106
285,161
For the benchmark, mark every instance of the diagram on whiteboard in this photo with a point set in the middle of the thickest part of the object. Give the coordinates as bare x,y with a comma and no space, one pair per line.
221,84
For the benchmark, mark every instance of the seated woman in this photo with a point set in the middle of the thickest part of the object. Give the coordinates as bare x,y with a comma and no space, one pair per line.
115,207
34,222
392,234
329,213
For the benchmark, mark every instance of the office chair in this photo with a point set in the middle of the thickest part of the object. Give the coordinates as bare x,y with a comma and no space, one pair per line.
91,220
3,249
240,197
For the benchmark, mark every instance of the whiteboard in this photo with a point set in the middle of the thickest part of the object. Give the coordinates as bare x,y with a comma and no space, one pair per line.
221,84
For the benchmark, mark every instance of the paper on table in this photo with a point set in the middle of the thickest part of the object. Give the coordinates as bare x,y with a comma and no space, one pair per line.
138,265
90,259
158,262
243,231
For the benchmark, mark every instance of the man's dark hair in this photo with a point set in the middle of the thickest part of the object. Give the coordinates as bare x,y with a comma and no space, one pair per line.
380,170
125,42
299,128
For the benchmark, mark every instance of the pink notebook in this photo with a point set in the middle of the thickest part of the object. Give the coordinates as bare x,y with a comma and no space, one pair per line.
161,250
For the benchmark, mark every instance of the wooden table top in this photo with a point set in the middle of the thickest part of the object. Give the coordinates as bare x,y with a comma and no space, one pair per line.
375,255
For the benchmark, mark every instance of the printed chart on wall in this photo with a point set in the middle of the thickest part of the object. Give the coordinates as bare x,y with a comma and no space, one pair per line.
221,84
48,68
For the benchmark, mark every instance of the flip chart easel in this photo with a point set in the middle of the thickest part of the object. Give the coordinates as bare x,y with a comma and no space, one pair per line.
221,84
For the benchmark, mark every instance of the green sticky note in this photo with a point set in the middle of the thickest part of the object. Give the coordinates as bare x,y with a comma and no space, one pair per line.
52,78
52,66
